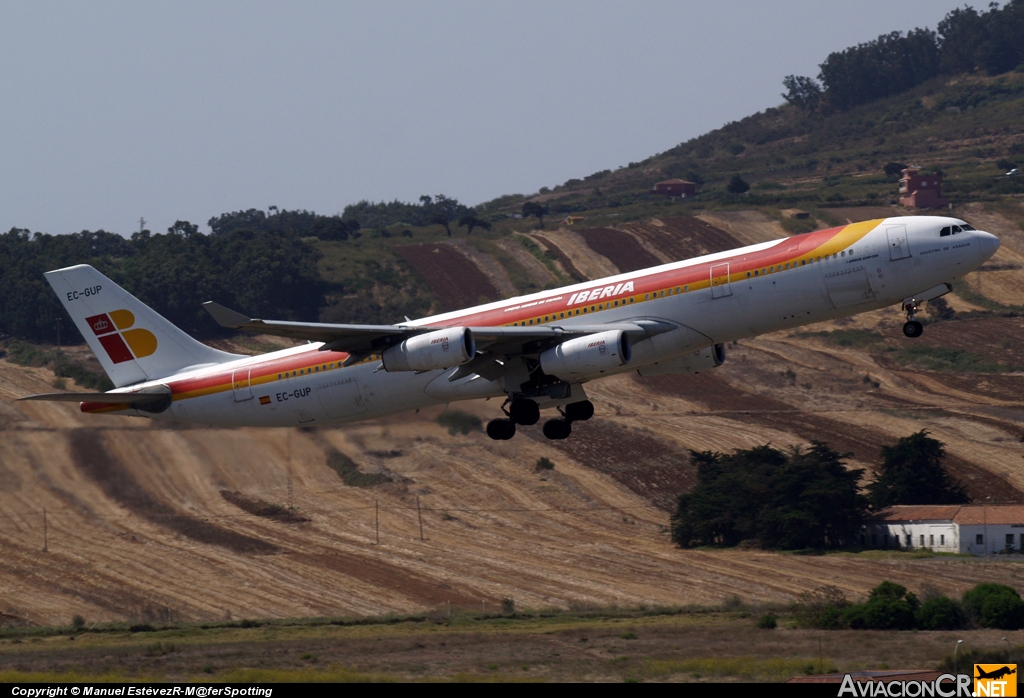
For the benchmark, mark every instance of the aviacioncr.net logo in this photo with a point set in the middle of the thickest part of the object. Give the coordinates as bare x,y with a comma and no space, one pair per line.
995,680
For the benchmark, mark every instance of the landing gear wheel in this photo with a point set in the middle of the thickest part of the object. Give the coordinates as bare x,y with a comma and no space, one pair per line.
579,411
501,429
557,428
913,329
525,412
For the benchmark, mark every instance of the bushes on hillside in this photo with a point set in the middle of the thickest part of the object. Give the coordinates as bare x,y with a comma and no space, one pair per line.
995,606
891,606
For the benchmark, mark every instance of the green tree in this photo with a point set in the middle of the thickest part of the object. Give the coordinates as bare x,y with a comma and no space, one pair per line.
995,606
941,613
470,221
893,170
802,92
737,185
784,500
912,473
440,219
532,208
889,607
813,502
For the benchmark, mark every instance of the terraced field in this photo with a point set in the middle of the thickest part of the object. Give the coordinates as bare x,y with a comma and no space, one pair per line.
149,522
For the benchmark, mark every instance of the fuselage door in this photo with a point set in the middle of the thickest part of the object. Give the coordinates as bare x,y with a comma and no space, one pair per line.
899,247
240,384
720,280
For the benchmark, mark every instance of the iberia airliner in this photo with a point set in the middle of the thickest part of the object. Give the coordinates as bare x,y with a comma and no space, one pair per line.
537,351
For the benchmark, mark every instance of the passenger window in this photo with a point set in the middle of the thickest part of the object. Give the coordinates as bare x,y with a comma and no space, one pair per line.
748,274
531,322
278,376
677,289
843,253
584,311
755,272
647,296
787,265
562,315
317,369
803,262
686,288
616,304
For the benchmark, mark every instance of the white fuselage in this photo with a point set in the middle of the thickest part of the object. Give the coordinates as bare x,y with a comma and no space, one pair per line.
819,276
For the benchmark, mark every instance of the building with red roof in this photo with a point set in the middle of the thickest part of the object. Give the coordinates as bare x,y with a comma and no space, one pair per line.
921,191
968,529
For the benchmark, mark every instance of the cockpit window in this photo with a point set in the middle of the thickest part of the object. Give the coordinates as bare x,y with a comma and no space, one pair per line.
966,227
957,229
944,232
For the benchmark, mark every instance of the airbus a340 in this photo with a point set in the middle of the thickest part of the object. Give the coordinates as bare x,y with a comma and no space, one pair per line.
536,351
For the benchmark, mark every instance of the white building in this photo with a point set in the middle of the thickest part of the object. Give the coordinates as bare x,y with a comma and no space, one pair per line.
973,530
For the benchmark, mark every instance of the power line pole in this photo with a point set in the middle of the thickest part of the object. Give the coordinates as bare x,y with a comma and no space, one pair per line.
289,438
419,515
142,224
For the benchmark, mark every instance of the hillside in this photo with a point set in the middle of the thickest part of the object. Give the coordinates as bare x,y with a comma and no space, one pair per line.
145,521
149,522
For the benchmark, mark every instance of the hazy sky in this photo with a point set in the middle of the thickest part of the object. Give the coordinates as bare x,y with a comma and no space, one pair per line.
114,110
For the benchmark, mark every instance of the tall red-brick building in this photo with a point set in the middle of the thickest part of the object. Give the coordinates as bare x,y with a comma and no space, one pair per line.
921,191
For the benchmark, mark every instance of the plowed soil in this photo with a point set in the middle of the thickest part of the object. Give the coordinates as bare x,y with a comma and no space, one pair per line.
457,282
684,237
620,247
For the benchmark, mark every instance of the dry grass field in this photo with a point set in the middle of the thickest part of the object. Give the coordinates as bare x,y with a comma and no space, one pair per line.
152,523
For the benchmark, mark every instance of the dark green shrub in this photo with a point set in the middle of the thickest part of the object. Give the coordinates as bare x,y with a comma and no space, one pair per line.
544,464
995,606
941,613
889,607
459,422
767,622
349,471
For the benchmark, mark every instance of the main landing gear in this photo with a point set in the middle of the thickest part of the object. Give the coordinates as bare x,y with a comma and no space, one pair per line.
527,413
912,328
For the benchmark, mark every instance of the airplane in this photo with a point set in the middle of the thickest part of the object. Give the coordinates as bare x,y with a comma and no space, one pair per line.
537,351
995,673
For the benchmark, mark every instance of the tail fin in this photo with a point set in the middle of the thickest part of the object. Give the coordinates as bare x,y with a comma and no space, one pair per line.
132,341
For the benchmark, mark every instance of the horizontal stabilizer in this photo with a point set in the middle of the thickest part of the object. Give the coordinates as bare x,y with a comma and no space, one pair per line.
139,397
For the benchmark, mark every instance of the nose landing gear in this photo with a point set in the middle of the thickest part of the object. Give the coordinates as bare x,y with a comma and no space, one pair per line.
912,328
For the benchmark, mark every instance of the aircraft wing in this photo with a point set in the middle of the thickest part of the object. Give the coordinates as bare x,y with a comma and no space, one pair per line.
360,341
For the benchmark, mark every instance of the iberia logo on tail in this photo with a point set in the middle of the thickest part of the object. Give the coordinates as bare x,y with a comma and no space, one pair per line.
118,339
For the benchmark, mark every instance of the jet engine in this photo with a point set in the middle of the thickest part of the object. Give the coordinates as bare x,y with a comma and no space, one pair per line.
587,357
445,348
694,362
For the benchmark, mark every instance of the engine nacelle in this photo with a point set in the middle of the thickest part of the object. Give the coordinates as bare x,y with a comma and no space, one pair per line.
588,356
694,362
445,348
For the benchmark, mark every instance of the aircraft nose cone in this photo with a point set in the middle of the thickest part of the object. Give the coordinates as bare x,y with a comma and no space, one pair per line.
989,243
